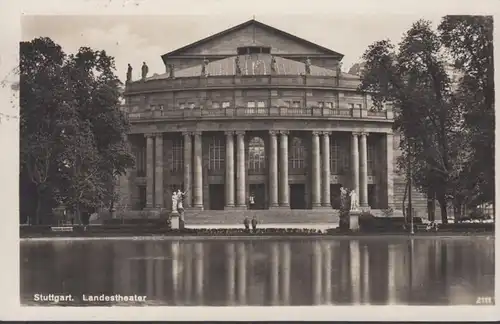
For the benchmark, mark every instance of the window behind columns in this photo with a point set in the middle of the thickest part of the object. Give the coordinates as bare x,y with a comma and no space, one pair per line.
256,155
334,156
177,155
371,157
140,159
216,154
297,155
339,155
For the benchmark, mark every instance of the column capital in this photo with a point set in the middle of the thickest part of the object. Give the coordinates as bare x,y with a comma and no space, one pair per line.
229,133
197,133
240,133
284,132
273,132
364,133
356,134
158,134
149,135
187,133
326,133
316,133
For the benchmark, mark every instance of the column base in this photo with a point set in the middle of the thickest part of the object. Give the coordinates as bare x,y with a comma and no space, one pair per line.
230,207
321,207
279,207
197,208
316,205
240,207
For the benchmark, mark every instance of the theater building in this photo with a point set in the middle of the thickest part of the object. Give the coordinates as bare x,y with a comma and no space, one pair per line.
255,111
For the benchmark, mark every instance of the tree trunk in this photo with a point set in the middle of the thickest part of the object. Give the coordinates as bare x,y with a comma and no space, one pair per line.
39,202
444,211
404,199
431,205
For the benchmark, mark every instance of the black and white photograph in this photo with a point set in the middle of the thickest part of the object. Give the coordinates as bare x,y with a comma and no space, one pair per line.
248,160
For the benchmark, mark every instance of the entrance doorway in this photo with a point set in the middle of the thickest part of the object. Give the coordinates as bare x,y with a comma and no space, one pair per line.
259,192
216,195
335,195
371,195
298,196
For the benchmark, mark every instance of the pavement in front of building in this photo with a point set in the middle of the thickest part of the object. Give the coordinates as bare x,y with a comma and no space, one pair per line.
320,226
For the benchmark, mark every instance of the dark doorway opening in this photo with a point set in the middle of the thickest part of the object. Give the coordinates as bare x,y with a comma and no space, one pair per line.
259,194
371,195
298,196
217,196
142,197
335,195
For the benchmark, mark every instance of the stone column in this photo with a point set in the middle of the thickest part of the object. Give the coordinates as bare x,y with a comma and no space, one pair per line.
274,274
242,273
363,164
229,170
159,201
241,170
285,273
231,272
390,169
355,162
273,169
283,170
188,160
150,171
198,171
325,198
316,171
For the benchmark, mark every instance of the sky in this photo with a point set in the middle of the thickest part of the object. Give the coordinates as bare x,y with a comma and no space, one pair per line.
137,38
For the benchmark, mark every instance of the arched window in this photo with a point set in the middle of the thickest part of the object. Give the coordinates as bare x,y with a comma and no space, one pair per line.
177,155
256,154
297,154
216,154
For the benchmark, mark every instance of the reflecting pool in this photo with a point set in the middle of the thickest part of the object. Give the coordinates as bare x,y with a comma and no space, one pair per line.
259,272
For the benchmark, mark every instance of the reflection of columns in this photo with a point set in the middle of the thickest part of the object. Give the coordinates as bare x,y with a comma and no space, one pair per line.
316,171
283,170
188,159
229,163
355,162
317,271
159,283
392,278
188,272
355,270
231,271
325,198
199,272
366,275
198,171
273,169
274,274
159,171
241,170
150,171
327,274
175,270
390,169
242,274
285,273
363,163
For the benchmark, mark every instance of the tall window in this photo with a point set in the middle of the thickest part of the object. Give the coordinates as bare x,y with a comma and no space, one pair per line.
370,157
334,157
256,154
297,154
140,157
216,154
177,155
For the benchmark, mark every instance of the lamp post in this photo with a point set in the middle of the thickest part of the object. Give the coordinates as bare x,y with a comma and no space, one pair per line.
410,208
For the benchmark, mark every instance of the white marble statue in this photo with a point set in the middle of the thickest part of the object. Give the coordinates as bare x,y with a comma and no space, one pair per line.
354,200
180,197
175,201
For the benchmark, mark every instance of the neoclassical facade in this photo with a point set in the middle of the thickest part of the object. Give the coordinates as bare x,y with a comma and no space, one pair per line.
256,111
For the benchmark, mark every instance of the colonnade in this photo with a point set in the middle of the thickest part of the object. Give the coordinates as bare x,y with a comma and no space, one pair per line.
235,175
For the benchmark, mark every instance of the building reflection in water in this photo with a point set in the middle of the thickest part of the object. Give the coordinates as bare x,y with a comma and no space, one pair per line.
414,271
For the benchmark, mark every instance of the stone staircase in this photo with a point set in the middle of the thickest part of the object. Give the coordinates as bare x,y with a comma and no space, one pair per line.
236,217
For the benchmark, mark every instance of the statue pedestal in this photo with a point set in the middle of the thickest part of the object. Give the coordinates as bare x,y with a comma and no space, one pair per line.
354,219
175,220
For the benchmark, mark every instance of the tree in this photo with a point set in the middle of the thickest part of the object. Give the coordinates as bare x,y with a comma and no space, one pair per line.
469,41
72,129
414,80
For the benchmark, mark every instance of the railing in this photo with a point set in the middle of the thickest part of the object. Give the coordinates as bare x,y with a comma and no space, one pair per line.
209,113
241,81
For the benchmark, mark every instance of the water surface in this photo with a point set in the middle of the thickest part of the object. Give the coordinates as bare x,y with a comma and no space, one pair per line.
342,271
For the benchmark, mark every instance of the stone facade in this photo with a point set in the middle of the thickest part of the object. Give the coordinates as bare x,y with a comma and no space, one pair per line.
255,120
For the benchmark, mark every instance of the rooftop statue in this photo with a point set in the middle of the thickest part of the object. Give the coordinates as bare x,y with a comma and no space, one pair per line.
273,64
145,70
171,72
237,65
204,67
308,66
129,73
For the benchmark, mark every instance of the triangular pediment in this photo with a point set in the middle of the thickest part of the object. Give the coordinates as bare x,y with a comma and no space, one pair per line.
252,33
